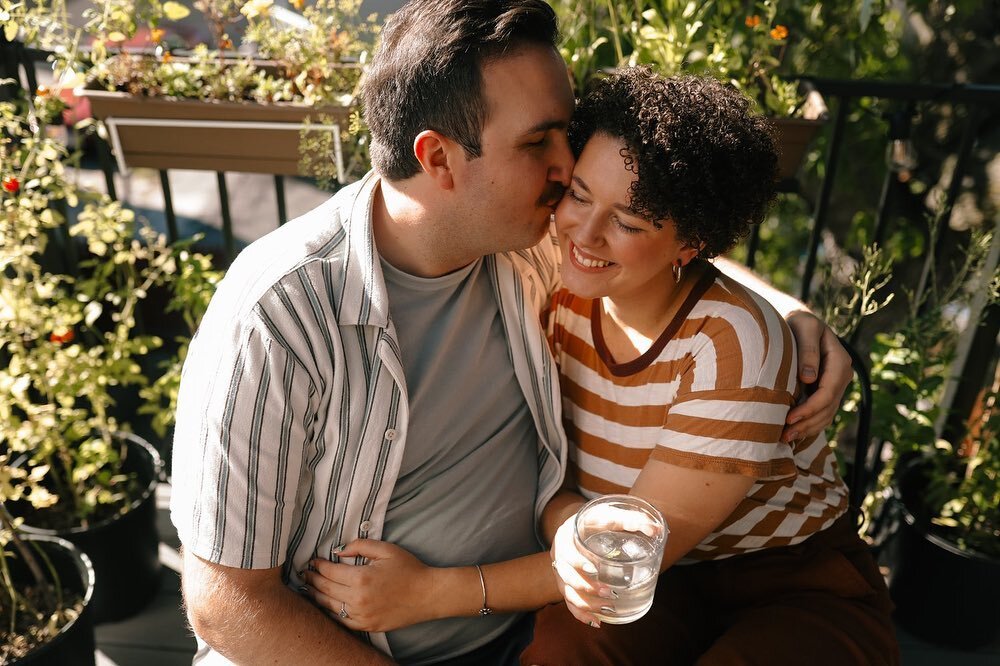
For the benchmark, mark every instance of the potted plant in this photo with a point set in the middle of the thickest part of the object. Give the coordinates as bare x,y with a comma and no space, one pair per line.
943,497
209,106
935,504
726,40
70,340
948,504
47,585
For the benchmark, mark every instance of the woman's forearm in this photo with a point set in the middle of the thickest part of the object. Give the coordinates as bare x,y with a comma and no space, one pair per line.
523,584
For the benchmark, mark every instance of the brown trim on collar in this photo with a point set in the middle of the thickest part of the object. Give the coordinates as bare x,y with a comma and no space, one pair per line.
646,359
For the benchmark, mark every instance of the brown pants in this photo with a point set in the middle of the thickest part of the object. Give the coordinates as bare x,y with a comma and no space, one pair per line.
816,603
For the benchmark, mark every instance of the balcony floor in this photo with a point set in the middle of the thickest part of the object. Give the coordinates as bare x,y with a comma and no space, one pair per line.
159,635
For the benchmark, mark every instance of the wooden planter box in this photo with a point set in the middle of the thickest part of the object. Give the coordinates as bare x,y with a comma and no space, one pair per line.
166,133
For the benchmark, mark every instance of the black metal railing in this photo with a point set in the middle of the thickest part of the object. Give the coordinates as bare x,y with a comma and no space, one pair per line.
982,103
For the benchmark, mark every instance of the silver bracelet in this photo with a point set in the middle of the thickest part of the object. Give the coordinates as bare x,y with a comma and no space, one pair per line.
485,610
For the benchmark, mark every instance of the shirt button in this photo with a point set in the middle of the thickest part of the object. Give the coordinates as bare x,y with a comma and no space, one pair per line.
366,525
390,434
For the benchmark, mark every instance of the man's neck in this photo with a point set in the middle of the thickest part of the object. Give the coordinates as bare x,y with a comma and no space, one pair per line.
409,235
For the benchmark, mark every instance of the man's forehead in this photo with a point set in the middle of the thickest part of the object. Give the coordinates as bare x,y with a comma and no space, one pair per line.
533,81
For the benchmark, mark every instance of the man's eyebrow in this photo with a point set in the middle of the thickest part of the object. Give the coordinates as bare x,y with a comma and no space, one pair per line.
547,125
625,209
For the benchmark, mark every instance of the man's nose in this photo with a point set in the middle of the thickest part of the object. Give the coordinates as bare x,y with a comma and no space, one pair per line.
561,170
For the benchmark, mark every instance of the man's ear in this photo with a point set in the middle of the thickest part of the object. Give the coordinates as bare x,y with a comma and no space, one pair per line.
435,151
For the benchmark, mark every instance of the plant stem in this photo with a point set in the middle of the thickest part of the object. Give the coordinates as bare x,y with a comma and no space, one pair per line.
26,554
615,31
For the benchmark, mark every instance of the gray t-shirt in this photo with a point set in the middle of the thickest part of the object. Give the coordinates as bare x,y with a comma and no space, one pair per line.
466,489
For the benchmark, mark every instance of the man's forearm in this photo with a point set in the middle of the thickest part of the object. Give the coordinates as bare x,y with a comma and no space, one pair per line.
263,622
779,300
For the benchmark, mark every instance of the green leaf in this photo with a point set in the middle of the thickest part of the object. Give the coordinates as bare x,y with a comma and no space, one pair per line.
10,30
865,15
175,11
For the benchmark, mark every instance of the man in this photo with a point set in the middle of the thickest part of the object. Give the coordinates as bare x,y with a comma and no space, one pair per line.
376,368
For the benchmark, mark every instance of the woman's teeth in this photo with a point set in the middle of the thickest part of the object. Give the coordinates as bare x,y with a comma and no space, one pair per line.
589,263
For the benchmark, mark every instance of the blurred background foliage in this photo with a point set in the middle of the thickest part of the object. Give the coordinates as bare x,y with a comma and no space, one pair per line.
925,41
757,44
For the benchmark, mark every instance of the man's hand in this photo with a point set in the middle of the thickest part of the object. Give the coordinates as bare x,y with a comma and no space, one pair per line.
820,355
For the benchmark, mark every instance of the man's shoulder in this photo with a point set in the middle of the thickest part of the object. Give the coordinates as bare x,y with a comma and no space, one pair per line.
312,246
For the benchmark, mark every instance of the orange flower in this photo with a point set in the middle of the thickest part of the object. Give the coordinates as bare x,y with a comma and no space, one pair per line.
62,337
298,4
156,35
41,91
225,43
11,184
753,21
167,56
779,32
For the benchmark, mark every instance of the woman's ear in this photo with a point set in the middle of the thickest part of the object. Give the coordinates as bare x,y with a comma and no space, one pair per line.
688,253
434,152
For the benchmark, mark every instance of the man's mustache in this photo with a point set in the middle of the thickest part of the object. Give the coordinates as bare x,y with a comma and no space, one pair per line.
552,195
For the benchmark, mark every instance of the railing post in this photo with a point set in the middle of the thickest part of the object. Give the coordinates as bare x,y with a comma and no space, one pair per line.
168,206
822,206
227,219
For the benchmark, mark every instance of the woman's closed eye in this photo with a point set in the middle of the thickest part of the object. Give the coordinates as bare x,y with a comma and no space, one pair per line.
624,227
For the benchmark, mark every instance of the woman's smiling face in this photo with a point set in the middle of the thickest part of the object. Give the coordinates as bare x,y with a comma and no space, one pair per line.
607,248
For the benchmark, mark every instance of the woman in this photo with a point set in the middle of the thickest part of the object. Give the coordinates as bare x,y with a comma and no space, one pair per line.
676,382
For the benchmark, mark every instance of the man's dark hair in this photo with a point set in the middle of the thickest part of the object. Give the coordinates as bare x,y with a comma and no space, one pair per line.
426,73
705,160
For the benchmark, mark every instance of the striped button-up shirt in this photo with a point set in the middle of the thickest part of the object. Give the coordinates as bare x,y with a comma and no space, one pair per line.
292,415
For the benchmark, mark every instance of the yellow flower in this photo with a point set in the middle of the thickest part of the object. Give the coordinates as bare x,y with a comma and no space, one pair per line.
753,21
156,35
779,32
298,4
255,8
167,56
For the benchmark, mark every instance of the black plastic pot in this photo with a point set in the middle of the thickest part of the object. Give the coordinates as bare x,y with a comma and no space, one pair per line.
124,549
943,595
74,644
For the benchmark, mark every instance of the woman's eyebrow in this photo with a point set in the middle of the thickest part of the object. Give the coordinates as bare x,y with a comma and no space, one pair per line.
621,207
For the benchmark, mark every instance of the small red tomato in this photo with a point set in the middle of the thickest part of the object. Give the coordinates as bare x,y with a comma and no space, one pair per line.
63,337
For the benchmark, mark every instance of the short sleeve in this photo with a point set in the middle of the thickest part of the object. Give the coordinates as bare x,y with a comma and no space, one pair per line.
733,431
244,418
730,408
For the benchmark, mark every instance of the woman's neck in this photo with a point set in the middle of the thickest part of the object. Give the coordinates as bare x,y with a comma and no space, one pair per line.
631,325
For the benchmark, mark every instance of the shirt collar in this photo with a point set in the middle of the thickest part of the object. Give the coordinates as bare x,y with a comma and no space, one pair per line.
364,301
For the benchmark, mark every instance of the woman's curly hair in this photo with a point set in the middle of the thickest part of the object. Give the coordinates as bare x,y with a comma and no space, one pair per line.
705,161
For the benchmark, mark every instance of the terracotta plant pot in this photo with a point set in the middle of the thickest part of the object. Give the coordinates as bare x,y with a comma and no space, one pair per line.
794,135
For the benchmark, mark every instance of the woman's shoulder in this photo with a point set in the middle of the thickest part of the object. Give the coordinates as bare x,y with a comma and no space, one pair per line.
739,328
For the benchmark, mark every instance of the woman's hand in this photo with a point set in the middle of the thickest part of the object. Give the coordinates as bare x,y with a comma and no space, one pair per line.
576,577
394,589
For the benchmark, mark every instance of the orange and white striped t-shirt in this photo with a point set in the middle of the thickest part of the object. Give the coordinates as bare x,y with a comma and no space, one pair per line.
712,393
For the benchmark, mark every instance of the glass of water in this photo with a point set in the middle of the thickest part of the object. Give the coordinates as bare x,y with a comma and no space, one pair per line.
623,536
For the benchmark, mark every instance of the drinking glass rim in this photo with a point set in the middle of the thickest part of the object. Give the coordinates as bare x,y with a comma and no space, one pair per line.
641,503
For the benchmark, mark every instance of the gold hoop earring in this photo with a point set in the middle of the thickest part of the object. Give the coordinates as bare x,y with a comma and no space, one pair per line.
678,271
